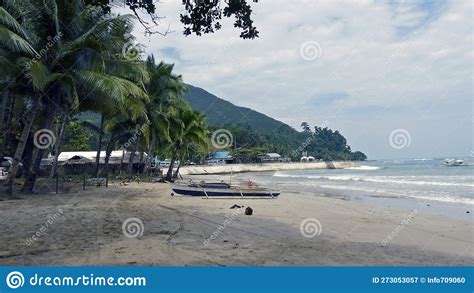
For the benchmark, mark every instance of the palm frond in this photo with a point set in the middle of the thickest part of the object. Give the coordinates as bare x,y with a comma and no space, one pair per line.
14,42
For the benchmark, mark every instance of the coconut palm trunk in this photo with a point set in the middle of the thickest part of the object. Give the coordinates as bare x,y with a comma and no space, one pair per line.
141,162
7,117
121,161
176,174
3,113
12,171
130,161
35,167
57,147
151,153
169,175
108,152
99,147
27,159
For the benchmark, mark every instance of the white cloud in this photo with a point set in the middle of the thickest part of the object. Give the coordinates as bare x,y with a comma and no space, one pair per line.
399,63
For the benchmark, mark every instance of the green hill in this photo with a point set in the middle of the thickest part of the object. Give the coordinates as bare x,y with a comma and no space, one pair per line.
255,133
222,113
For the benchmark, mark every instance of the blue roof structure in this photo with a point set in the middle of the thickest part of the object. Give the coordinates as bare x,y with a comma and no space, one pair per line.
220,155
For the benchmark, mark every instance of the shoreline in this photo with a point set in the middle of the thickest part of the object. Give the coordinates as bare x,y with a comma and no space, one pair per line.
178,230
454,210
241,168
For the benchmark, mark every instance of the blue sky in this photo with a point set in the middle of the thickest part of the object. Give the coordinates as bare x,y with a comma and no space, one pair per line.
366,68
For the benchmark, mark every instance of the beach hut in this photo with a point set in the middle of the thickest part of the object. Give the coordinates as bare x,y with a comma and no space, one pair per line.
76,164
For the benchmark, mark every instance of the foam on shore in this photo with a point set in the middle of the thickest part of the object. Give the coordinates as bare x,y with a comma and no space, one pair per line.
239,168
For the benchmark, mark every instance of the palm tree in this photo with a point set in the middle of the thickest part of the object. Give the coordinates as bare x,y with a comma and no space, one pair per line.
164,89
81,62
188,129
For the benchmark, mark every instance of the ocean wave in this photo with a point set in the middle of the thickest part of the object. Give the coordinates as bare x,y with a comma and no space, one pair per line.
363,167
444,198
379,179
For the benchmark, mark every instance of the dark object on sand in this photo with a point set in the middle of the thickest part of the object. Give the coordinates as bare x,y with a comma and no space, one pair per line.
248,211
236,206
220,189
467,212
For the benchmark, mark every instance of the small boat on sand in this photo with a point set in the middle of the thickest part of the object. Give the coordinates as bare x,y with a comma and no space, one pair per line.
220,189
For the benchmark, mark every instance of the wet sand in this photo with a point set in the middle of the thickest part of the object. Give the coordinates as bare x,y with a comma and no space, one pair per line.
85,228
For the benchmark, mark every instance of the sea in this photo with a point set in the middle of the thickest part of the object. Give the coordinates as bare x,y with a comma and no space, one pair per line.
423,183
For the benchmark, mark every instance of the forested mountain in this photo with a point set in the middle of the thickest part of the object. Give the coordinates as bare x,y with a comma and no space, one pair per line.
220,112
254,132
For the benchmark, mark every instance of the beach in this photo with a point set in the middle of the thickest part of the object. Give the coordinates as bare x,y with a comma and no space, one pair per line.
87,228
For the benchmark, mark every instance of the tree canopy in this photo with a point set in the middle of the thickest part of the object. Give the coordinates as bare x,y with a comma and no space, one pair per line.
199,17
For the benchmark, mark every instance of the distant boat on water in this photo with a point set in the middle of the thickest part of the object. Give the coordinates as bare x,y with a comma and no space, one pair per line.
220,189
455,163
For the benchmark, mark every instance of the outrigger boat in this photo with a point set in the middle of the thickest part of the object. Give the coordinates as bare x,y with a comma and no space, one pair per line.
220,189
455,163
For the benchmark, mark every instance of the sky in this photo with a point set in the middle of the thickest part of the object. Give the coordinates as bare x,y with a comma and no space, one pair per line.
394,77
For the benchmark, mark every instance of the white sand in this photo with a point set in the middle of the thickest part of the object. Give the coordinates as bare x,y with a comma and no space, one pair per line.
89,231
